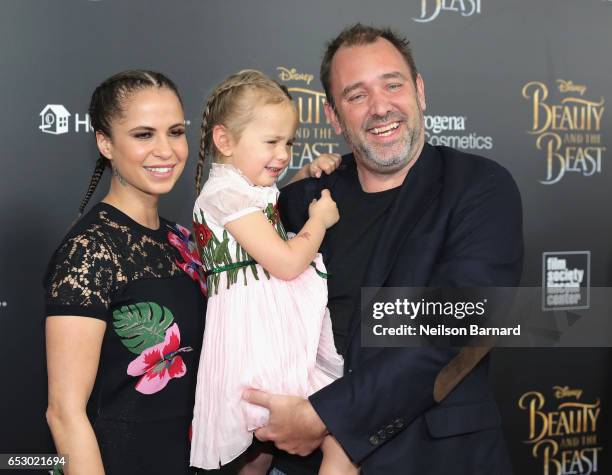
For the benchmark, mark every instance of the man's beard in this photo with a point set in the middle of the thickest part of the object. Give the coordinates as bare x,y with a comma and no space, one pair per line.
386,159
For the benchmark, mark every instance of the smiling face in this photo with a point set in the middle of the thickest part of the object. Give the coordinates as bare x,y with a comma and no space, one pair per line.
263,149
147,146
378,107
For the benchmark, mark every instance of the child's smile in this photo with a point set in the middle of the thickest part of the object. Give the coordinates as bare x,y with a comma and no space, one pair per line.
263,150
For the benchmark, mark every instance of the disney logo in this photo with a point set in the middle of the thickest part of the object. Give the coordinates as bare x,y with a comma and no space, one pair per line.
569,86
293,75
564,391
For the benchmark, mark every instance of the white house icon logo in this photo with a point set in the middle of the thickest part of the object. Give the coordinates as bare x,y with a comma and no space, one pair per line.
54,119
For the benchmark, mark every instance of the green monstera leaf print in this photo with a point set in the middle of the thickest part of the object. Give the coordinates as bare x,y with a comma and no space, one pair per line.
142,325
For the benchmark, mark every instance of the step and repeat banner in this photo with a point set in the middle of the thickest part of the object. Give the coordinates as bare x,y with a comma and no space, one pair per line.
524,82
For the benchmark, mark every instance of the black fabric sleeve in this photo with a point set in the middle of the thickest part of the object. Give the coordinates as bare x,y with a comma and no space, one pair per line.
81,278
485,246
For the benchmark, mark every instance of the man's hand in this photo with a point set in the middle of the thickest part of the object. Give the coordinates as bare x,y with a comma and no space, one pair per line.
294,426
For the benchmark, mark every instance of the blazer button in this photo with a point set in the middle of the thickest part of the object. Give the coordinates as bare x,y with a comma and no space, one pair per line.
382,435
350,370
374,440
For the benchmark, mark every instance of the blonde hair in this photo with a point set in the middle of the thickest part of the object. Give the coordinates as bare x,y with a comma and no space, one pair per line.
232,104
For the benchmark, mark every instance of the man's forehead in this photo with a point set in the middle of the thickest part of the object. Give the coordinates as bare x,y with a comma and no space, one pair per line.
356,63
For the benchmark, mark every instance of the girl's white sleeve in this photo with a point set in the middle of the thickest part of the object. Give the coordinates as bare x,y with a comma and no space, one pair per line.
229,203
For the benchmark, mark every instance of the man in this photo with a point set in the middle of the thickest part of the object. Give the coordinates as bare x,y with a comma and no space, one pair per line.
411,215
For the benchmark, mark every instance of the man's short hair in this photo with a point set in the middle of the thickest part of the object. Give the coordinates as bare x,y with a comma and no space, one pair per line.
359,34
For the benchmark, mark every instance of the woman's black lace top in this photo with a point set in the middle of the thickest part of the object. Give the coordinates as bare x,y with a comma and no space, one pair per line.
145,285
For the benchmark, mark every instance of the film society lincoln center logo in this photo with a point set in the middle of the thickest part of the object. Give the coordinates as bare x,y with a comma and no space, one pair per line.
314,134
567,124
562,430
566,280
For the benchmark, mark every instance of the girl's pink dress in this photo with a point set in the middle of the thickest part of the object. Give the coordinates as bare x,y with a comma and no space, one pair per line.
261,332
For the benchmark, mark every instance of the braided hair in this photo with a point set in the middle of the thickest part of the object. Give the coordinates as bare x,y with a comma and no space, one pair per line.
231,104
107,103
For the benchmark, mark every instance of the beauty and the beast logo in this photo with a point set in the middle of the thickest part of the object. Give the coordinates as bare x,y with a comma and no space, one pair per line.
563,433
430,9
314,135
569,131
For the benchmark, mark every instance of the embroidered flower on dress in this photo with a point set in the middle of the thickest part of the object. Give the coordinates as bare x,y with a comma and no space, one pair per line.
160,363
202,232
179,237
275,215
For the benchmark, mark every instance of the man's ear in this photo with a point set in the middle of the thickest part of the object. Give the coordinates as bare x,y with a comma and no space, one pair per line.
105,146
420,90
330,113
223,140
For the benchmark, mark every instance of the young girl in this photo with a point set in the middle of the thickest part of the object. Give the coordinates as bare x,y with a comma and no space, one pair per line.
267,326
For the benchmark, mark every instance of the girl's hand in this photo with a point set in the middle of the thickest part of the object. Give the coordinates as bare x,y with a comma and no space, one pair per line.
326,162
324,209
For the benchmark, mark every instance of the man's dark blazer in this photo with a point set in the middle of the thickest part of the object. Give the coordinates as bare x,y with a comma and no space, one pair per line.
456,222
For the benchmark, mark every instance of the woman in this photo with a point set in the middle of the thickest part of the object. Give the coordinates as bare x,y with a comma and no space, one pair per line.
121,298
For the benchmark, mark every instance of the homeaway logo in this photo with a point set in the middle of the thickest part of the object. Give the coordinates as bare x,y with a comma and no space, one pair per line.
55,120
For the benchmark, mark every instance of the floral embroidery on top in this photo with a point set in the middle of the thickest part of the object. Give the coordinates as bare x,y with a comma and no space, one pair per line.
179,237
203,233
273,216
147,329
215,253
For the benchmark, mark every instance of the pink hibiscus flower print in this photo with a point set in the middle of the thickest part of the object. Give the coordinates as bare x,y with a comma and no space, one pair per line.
159,363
